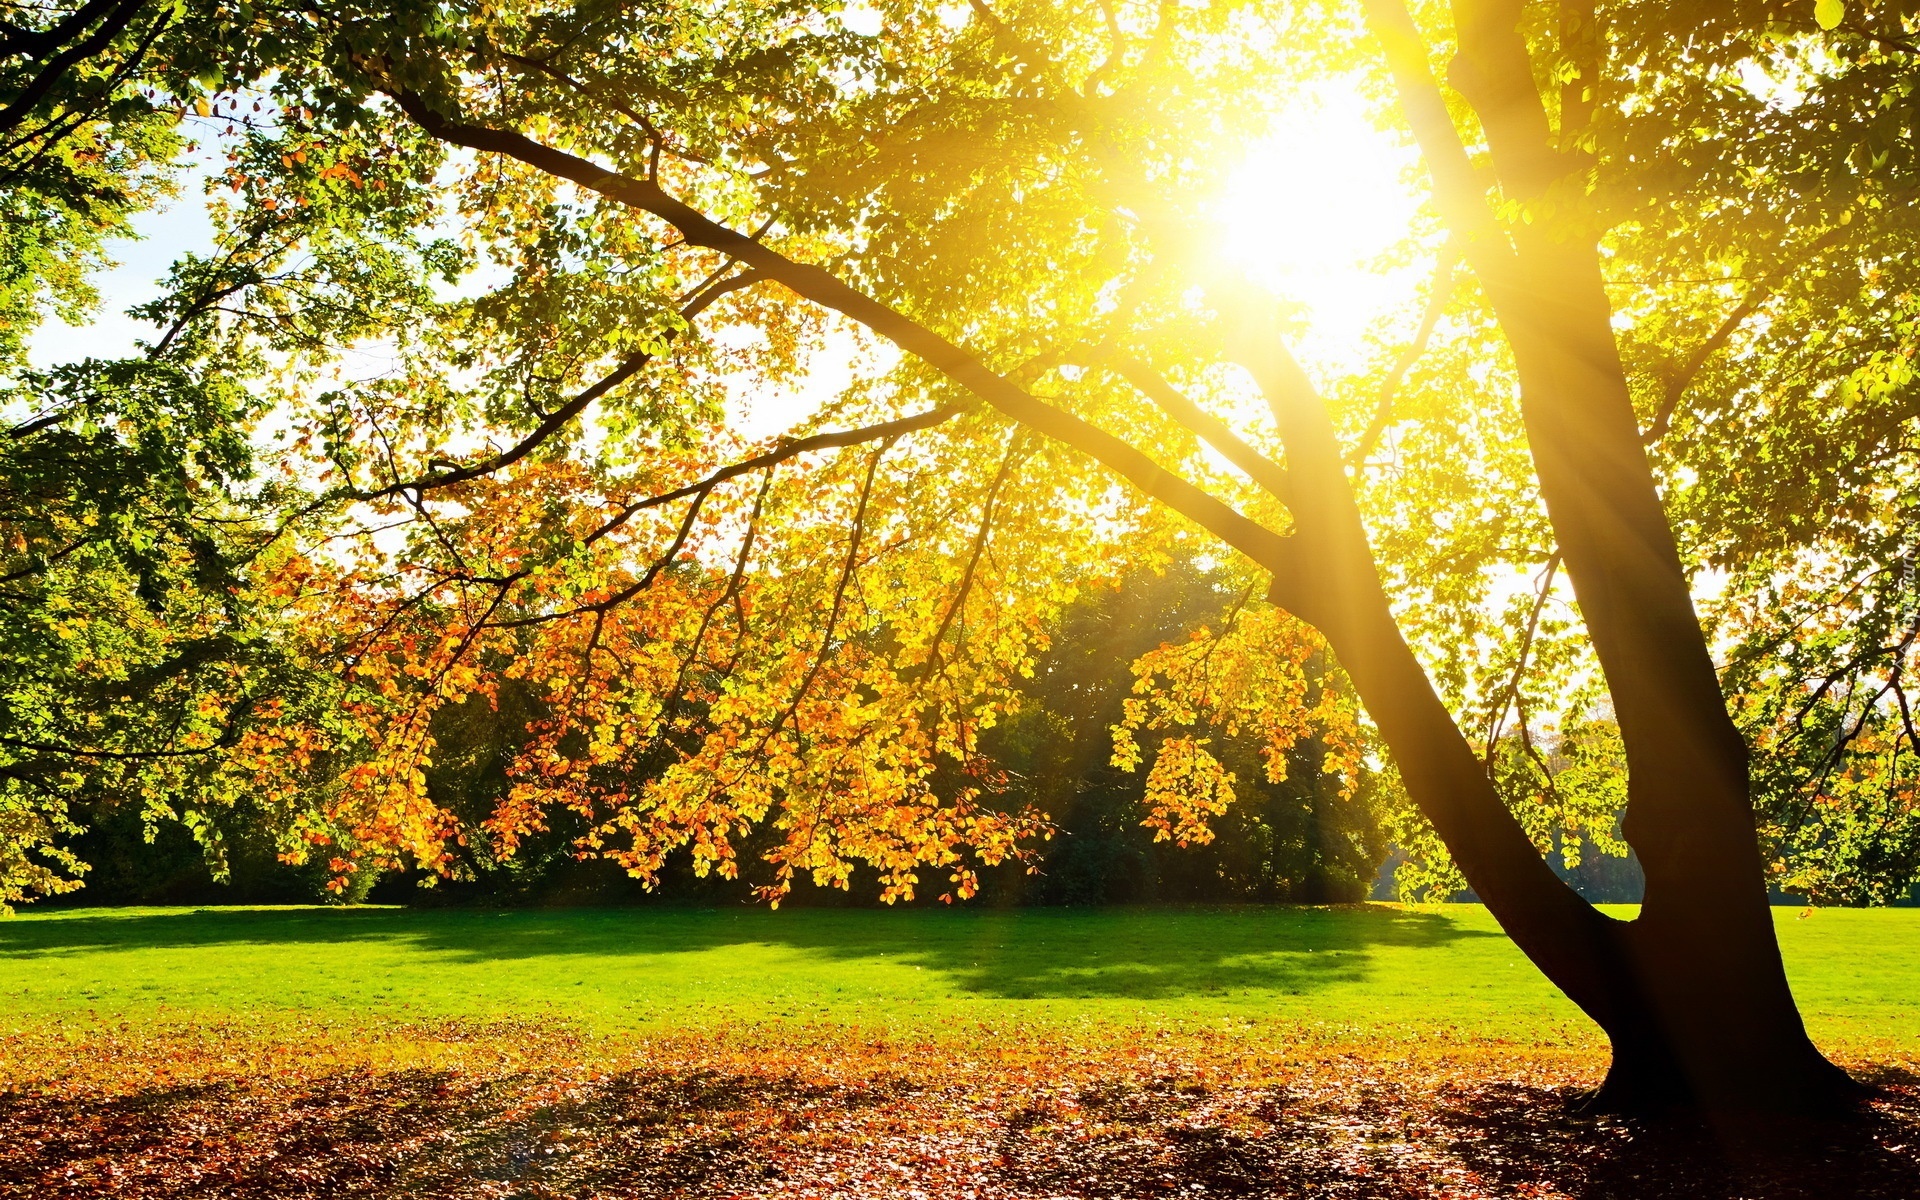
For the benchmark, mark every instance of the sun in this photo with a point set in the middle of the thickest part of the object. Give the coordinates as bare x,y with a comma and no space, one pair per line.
1311,213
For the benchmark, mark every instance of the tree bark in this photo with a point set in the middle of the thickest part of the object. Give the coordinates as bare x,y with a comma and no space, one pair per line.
1702,1012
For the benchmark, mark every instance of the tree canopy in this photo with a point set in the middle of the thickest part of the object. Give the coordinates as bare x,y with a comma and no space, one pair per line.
444,419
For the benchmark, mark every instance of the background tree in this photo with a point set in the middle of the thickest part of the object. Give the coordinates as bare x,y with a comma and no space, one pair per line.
1309,836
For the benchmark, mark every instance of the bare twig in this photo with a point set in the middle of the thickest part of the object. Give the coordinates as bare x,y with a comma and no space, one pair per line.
839,596
1512,691
1014,446
1443,284
1680,378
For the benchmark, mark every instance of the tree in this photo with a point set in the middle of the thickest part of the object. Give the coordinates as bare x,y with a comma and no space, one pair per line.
1008,197
1298,826
1692,993
142,678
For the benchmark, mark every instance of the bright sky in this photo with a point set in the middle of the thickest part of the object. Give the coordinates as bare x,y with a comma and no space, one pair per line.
1308,215
165,234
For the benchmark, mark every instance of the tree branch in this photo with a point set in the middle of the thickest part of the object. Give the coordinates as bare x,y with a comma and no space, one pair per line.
814,283
1512,691
839,595
1682,377
973,558
42,83
560,417
1443,284
889,431
1269,475
1458,191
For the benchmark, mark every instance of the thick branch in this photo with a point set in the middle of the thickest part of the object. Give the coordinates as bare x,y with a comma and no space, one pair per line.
1495,73
822,287
1458,190
1342,596
38,43
1271,476
49,75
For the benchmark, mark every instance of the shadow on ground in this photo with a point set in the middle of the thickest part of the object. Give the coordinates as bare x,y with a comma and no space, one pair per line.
1357,1136
1022,954
1533,1141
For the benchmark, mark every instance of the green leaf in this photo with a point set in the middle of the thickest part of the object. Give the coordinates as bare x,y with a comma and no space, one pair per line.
1829,12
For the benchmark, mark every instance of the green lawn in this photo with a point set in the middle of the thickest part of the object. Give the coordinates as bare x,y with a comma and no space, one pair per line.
1363,972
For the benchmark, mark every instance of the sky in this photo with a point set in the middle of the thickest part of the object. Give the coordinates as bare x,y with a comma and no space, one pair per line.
1309,215
178,227
1311,212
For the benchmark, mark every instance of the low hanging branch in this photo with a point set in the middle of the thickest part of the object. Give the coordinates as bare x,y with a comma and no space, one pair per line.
731,595
798,446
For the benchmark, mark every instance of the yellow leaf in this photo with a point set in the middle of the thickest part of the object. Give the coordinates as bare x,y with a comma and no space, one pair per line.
1829,12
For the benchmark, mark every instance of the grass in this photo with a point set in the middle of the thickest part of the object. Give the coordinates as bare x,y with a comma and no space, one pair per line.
1365,1051
1365,973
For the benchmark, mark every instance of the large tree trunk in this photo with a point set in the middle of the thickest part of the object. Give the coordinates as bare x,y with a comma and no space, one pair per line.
1692,994
1719,1022
1699,1010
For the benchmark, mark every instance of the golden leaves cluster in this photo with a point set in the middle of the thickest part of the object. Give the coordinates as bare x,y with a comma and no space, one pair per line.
1265,674
781,676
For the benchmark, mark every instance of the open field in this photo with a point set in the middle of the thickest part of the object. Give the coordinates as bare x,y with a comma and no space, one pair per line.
1366,972
1364,1051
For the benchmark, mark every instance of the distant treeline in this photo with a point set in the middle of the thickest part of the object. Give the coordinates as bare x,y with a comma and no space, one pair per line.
1300,840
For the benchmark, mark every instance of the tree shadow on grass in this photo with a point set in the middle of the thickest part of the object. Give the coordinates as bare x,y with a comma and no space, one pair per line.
1021,954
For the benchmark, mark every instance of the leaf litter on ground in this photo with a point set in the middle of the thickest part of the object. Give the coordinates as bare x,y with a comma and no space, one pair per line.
525,1112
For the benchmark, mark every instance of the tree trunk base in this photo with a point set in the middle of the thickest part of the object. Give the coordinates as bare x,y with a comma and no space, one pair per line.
1646,1080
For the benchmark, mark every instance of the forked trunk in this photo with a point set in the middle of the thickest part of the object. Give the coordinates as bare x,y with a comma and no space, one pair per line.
1714,1026
1693,993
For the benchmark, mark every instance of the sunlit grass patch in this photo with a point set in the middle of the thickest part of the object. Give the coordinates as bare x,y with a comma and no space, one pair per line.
1274,976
